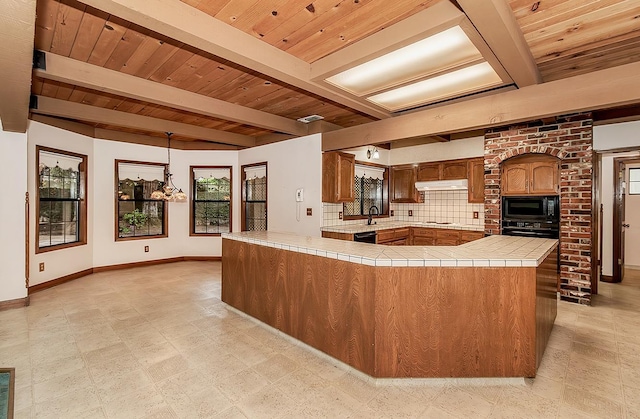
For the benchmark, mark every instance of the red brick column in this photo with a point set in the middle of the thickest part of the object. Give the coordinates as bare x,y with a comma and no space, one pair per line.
571,140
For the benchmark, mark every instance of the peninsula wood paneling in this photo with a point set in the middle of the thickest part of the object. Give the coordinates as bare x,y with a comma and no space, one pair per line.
398,321
471,322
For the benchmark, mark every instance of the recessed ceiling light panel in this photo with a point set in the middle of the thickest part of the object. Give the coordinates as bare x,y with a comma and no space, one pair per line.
436,53
467,80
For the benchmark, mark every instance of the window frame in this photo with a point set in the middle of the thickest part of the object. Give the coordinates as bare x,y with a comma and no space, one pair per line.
629,187
82,201
192,207
385,194
243,226
165,210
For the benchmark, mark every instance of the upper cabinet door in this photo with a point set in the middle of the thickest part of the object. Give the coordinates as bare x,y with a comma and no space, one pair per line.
515,179
429,171
338,174
476,181
403,184
530,174
544,178
456,169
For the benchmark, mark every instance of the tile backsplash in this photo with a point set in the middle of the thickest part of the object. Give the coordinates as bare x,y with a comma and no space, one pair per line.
439,206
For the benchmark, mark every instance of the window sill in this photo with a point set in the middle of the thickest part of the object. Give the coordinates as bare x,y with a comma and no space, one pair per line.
124,239
59,247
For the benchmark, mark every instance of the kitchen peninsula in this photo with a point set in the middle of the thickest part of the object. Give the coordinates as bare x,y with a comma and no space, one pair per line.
481,309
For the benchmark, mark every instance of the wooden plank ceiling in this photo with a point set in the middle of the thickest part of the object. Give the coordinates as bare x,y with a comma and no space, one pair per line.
566,38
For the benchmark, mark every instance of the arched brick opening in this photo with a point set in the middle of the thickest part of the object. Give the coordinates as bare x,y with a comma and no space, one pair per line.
570,140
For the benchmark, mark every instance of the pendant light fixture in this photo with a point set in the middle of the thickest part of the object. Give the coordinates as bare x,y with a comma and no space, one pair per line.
169,191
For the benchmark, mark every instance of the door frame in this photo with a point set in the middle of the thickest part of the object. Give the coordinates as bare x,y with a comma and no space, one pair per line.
619,201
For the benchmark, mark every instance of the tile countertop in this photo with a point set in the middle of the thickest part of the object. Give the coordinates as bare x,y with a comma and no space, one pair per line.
359,228
494,251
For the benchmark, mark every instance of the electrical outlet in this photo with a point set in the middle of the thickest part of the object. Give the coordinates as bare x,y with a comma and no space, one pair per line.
391,215
146,249
41,267
340,215
410,213
476,214
309,212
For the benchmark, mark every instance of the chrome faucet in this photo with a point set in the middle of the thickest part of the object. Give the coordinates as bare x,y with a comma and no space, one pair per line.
370,217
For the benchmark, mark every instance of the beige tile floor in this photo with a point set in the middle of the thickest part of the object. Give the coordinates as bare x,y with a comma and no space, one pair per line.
157,342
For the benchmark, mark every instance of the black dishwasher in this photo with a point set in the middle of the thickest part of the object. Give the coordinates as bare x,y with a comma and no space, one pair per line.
366,237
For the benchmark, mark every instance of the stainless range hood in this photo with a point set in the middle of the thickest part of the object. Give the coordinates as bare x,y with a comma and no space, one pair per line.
443,185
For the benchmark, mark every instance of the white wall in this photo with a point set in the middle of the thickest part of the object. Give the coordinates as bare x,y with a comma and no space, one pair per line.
13,172
291,165
74,259
361,155
457,149
610,137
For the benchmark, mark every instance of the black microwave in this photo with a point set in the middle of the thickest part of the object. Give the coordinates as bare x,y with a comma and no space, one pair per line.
531,208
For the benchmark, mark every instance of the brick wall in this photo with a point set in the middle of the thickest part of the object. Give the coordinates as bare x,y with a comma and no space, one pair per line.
570,139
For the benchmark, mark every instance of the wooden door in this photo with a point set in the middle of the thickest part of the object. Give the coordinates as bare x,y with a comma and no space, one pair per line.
618,220
543,178
456,169
515,179
429,171
476,181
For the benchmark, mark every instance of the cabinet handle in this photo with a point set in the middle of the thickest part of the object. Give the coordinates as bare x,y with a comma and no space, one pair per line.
526,185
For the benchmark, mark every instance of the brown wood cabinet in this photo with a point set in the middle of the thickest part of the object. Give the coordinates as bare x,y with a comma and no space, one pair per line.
533,174
469,236
443,170
447,237
393,236
423,236
339,236
338,172
403,184
475,171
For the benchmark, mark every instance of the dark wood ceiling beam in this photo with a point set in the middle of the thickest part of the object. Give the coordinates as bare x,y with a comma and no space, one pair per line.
607,88
201,31
77,111
17,26
79,73
498,26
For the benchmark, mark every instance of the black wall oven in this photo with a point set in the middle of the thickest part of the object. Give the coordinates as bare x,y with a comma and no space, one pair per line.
532,216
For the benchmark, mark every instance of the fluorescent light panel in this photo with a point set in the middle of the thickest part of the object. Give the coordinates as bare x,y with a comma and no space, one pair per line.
436,53
460,82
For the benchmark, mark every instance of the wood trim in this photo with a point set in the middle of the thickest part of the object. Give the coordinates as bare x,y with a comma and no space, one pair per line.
607,88
202,258
606,278
596,224
496,23
130,265
17,26
54,282
58,281
27,239
79,73
66,109
84,168
618,199
12,391
11,304
192,203
211,35
165,220
242,195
